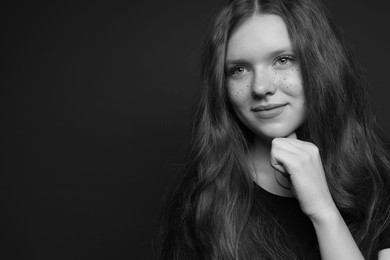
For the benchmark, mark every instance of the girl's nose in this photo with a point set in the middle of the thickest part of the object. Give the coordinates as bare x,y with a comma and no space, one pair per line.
262,84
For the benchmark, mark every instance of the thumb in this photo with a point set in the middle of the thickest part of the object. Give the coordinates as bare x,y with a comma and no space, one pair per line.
277,165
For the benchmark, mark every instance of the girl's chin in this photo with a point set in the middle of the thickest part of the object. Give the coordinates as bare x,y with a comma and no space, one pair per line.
272,135
268,137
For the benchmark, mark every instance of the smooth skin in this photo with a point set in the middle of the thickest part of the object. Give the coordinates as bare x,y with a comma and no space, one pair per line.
262,70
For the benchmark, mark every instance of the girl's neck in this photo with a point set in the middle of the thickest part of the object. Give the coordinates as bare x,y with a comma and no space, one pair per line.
262,172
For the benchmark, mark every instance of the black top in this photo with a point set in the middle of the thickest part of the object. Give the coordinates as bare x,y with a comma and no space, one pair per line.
299,229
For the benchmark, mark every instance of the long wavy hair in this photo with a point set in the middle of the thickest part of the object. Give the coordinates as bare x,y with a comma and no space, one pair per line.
211,214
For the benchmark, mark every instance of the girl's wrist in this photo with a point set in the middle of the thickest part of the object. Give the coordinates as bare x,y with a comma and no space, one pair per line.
328,217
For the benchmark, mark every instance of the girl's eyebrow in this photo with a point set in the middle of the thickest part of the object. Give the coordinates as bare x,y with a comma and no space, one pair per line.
237,61
269,55
281,51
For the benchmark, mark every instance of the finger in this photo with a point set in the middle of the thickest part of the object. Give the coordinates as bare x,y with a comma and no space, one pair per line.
293,139
280,157
287,144
284,174
293,135
278,166
301,145
275,163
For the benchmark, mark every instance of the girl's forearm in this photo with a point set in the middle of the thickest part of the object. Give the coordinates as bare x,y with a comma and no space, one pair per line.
334,238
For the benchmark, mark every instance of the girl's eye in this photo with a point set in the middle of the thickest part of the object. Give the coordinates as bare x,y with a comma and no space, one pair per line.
237,70
284,60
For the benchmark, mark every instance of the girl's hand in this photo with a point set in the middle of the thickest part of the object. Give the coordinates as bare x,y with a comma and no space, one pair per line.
302,162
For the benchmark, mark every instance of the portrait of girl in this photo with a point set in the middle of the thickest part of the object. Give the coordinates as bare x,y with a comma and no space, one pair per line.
286,159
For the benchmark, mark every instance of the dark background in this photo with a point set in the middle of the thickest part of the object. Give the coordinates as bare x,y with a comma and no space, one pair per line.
97,103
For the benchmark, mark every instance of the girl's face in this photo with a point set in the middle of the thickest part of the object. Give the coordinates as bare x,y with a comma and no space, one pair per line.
264,80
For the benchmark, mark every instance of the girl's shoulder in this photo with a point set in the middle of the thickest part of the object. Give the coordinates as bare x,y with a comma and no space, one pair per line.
384,239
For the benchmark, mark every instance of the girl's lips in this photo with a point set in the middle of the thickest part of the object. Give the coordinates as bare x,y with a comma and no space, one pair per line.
268,107
269,111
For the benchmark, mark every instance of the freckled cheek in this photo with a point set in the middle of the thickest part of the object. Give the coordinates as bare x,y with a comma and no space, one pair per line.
238,92
289,82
